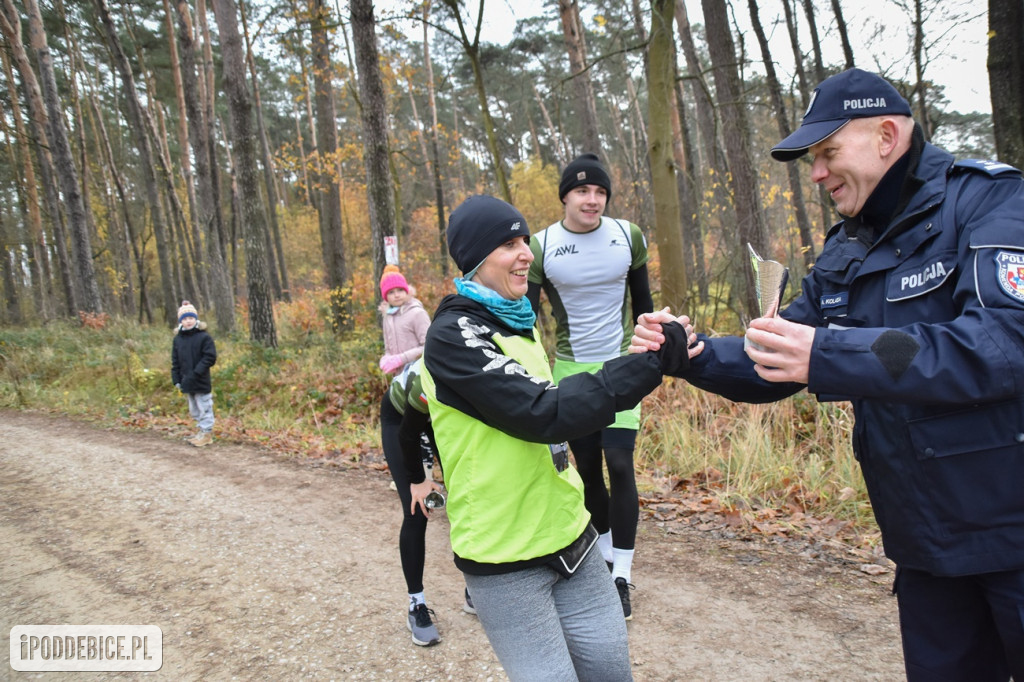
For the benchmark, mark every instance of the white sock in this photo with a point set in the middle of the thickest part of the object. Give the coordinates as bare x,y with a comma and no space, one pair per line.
416,599
622,563
604,543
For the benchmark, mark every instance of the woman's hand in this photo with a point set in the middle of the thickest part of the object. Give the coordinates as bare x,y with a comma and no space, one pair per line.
419,493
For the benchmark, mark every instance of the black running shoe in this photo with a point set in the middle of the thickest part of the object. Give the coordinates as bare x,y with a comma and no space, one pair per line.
424,632
624,587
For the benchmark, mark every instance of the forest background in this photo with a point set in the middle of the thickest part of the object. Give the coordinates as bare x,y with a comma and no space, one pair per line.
264,160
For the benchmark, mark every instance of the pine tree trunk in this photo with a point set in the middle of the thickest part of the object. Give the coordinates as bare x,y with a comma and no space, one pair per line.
207,205
782,121
130,236
435,146
713,157
85,273
844,37
1006,78
376,153
736,133
38,257
922,116
824,203
10,23
136,120
278,270
472,50
572,30
261,310
661,100
12,299
329,200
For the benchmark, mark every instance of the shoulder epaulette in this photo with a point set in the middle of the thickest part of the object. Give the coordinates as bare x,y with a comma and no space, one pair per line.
992,168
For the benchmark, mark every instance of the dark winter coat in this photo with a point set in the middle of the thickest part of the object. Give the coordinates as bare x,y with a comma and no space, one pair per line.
192,355
924,332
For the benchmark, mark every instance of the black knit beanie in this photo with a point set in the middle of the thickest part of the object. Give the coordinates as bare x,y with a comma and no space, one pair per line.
479,225
585,169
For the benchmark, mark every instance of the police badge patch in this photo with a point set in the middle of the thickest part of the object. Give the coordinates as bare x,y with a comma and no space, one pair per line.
1010,267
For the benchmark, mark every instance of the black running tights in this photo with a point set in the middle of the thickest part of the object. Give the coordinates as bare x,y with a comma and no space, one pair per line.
412,540
620,510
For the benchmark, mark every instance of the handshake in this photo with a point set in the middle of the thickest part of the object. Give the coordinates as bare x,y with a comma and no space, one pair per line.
779,349
670,338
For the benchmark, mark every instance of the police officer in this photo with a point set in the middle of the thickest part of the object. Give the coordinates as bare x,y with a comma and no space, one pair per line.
915,313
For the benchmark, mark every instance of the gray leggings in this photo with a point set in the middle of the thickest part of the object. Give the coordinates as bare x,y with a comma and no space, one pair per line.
545,627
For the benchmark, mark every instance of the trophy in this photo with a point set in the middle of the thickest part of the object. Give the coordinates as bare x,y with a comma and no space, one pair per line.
770,278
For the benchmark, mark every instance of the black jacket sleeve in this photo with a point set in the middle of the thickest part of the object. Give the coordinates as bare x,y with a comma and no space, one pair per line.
474,376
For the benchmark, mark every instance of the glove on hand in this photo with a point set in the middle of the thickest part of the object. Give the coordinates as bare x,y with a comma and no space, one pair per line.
389,364
672,355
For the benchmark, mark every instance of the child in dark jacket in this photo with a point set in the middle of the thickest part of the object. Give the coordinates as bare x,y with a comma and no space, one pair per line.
192,355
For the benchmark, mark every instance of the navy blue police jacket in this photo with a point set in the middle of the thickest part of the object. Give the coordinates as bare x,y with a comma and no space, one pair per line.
924,333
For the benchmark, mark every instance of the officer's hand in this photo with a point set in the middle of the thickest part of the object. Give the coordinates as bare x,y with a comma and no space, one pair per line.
780,349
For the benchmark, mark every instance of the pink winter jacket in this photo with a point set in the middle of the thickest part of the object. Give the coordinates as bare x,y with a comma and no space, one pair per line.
406,330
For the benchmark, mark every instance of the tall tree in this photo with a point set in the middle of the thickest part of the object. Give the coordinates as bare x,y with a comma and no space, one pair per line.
805,94
261,310
185,149
67,173
575,44
736,132
844,35
208,213
812,26
38,259
130,234
373,109
712,153
137,123
275,246
1006,78
435,145
471,46
661,101
923,117
329,201
782,120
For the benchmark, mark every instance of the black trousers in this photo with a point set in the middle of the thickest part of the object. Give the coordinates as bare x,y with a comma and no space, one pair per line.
968,628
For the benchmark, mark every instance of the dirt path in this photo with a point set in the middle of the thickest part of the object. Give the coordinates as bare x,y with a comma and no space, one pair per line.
260,568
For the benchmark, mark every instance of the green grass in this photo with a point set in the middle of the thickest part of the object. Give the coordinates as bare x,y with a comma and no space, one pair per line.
317,396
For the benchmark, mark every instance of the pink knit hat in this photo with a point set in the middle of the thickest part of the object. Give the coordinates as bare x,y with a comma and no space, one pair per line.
392,280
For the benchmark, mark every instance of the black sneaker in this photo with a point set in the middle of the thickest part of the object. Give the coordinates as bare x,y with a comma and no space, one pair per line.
468,605
424,632
624,587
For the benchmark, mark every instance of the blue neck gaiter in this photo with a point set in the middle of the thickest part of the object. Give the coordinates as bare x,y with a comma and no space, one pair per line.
517,314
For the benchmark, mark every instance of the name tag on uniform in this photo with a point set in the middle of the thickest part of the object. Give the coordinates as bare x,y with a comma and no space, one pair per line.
834,304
